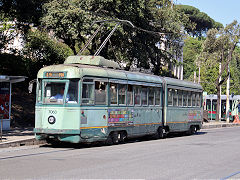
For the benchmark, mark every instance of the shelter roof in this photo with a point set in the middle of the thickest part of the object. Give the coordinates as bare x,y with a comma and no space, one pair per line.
12,79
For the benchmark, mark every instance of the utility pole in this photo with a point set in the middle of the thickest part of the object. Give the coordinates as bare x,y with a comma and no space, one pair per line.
199,74
220,107
194,77
227,93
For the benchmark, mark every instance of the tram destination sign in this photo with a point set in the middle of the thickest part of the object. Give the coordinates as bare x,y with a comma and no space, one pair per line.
55,74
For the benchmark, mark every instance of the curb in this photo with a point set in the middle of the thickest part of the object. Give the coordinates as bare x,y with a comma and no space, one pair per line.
25,142
206,126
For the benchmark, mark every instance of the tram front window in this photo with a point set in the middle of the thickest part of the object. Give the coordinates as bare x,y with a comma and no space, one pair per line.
54,92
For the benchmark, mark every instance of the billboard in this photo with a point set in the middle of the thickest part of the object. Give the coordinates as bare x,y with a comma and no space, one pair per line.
4,100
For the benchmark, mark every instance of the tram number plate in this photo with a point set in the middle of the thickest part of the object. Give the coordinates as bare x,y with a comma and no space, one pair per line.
52,111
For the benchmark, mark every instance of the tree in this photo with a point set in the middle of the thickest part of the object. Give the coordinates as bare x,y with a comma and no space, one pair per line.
44,50
201,22
24,11
191,50
155,22
235,72
219,47
5,31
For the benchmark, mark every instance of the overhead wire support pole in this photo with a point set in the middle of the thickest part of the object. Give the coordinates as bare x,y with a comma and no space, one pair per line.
90,40
106,40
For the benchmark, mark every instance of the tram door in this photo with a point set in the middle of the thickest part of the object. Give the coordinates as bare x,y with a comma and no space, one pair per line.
211,108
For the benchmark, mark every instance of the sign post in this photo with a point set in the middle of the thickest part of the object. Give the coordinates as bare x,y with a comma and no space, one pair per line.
1,128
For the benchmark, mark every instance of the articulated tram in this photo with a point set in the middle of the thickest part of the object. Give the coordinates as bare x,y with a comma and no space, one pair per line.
89,99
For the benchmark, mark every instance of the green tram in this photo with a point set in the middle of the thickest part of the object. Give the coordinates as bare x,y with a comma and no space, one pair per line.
88,99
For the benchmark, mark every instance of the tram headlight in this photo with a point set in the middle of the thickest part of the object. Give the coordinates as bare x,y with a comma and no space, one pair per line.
51,119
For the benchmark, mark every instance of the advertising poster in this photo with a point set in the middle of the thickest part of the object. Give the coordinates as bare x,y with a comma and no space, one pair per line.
4,100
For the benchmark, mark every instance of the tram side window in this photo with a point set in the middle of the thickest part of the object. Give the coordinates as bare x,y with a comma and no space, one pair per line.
100,93
180,98
158,96
189,99
144,95
193,99
185,98
137,95
197,100
170,97
130,95
39,93
175,97
122,94
113,93
72,95
201,99
151,96
88,91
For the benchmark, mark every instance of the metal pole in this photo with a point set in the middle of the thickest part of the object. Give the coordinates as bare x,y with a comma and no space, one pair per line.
90,40
227,93
1,128
220,107
199,74
194,77
211,109
106,40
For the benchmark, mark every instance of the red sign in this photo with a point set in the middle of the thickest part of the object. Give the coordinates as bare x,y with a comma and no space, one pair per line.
4,100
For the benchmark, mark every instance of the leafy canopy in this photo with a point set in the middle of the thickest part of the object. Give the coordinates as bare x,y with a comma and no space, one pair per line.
71,21
201,22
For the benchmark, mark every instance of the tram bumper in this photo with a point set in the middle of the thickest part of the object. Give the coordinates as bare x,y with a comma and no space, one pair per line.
71,135
67,135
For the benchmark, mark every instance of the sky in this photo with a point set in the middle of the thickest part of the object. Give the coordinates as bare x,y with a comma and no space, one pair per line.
223,11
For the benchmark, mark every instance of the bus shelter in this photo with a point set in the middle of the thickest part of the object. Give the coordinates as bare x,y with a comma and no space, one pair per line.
5,98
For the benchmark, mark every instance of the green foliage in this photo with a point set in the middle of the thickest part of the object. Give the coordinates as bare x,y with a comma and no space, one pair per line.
71,21
5,30
235,72
201,22
12,65
25,11
219,48
191,50
209,72
44,50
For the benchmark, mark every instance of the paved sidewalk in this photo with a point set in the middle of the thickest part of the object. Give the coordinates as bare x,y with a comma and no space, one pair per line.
21,137
18,137
221,124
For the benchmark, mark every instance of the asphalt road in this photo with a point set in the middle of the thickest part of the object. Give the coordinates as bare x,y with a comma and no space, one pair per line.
210,154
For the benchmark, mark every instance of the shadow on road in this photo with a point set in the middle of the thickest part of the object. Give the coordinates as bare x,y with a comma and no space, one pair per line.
100,144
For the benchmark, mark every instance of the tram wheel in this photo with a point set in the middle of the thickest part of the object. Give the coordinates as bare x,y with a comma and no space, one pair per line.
115,137
52,142
123,137
112,138
192,130
159,133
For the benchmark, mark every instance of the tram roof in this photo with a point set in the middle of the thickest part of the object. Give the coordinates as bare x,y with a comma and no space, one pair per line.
223,97
180,83
88,66
80,70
